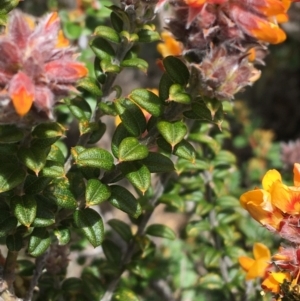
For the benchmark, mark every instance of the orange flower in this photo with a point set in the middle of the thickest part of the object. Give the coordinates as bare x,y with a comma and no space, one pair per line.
276,201
256,267
169,46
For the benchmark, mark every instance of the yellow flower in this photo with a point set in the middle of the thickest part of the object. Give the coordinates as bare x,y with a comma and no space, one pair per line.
256,267
274,280
169,46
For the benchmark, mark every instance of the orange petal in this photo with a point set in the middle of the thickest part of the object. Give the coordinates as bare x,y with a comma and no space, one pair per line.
246,262
261,251
268,32
22,101
296,171
258,269
270,177
53,18
61,40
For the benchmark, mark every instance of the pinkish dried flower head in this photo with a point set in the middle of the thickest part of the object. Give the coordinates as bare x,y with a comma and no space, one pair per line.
37,68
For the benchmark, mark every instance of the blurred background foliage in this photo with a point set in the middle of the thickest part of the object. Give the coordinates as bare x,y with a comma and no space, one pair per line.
262,118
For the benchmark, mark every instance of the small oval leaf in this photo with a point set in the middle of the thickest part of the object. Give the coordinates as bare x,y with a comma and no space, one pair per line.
96,192
90,224
161,231
130,150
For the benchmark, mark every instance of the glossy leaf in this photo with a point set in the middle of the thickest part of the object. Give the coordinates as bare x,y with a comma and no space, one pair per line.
157,162
130,150
39,242
107,33
90,85
119,135
161,231
62,194
63,235
48,130
122,199
125,294
102,49
80,109
148,101
90,224
10,134
96,192
35,184
24,208
44,216
177,94
164,86
53,170
173,132
132,117
137,174
34,158
93,157
185,150
148,36
135,63
121,228
11,174
98,130
177,70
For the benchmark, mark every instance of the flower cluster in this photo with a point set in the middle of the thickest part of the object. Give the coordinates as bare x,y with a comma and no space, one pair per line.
223,38
277,207
37,68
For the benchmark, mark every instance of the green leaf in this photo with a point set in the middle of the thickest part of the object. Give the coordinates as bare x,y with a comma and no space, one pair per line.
98,130
107,108
211,281
148,101
90,224
185,150
93,157
161,231
130,150
228,201
10,133
35,184
224,158
148,36
177,70
44,216
135,63
8,5
39,242
80,109
137,174
195,228
72,286
63,235
177,94
125,294
173,132
173,200
108,66
90,85
34,158
107,33
122,199
157,162
132,117
48,130
8,223
211,257
14,242
102,49
24,208
96,192
56,155
112,252
62,194
119,134
116,22
164,86
121,228
11,174
53,170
